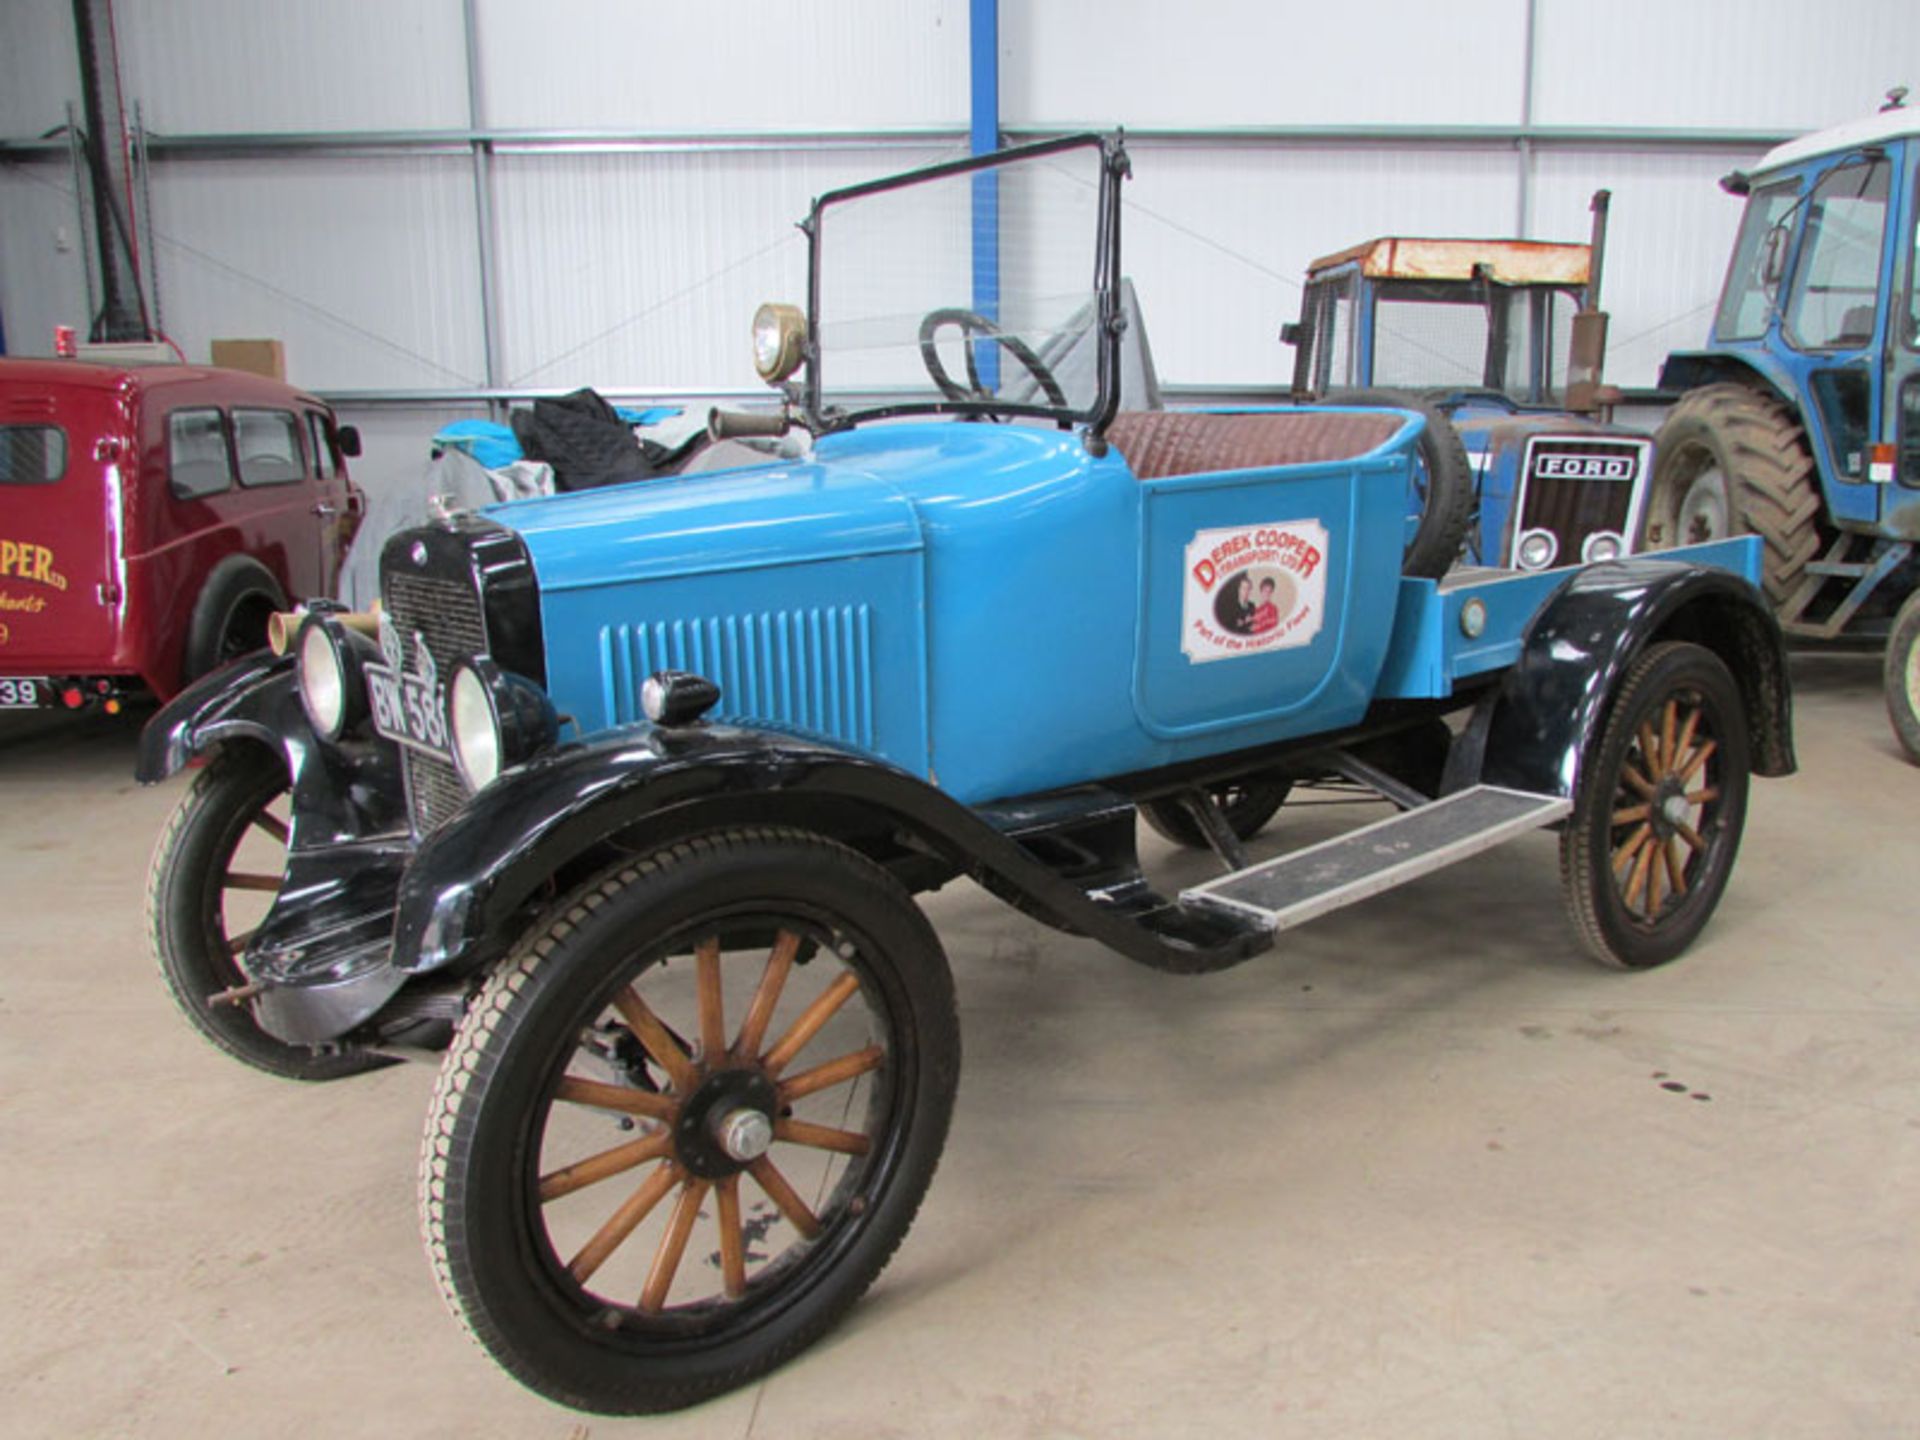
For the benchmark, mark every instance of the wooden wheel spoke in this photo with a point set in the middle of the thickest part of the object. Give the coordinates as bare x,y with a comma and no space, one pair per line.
822,1137
713,1019
237,944
733,1242
1705,795
1684,745
1699,758
1691,836
1635,781
773,979
655,1039
1676,877
1669,730
833,1072
615,1097
1637,881
1650,749
273,825
622,1223
673,1245
1656,873
1630,847
1631,814
235,880
824,1007
767,1175
604,1166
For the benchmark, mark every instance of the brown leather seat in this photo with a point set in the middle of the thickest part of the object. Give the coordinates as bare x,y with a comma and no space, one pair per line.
1158,443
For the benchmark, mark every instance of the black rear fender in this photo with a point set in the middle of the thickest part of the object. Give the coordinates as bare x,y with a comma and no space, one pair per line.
1532,732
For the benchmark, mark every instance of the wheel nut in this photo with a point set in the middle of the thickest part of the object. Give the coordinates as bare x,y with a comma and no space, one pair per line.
745,1135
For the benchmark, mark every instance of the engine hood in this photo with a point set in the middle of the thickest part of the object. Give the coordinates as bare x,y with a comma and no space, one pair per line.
872,491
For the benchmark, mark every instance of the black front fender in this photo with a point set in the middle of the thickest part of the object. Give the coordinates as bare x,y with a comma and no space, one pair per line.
1533,733
463,897
238,700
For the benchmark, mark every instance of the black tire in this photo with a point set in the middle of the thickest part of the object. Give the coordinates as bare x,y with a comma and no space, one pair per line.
1901,676
1733,460
193,921
1247,804
1443,489
230,617
568,1328
1637,827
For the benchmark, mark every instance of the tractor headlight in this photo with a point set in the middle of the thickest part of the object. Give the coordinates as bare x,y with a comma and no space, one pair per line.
332,688
779,341
495,720
1537,549
1602,545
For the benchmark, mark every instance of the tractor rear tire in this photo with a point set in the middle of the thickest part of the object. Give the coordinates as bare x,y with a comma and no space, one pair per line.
1902,676
1445,484
1733,460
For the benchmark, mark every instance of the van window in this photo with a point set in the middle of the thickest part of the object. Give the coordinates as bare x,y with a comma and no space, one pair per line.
323,465
269,444
32,454
198,461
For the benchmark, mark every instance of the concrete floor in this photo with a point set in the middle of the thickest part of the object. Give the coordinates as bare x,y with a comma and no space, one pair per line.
1426,1173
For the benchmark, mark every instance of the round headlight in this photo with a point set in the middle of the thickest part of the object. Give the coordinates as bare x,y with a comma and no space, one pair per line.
323,679
779,338
1537,549
476,728
1602,545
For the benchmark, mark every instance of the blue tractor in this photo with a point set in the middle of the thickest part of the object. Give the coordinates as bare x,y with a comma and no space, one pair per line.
1800,418
1497,344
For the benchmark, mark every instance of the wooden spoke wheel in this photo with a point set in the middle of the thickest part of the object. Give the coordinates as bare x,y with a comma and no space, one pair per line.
1659,811
216,872
684,1127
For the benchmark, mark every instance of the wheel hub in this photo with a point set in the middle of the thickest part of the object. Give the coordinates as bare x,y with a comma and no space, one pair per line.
1703,511
726,1123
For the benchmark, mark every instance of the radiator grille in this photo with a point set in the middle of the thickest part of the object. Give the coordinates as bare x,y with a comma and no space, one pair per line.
447,615
808,669
1572,505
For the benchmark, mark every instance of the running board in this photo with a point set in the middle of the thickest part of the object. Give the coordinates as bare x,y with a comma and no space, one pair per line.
1296,888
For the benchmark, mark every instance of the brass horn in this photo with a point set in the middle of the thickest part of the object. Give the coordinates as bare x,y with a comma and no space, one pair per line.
282,625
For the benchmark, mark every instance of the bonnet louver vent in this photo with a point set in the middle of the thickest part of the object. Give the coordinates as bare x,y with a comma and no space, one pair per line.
803,669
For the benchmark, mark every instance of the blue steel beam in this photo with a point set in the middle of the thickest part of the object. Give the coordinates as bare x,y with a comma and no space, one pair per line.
983,137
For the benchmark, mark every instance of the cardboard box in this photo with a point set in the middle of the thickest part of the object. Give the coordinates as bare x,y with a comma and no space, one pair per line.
256,357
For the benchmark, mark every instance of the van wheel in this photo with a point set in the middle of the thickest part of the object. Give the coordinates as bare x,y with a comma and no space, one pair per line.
230,618
1247,804
215,874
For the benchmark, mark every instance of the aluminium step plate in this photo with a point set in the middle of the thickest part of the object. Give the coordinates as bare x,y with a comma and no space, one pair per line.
1293,889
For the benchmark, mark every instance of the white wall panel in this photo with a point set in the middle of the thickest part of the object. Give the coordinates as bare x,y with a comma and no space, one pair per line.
1669,232
1285,62
1726,64
39,71
276,65
365,268
745,65
625,270
1218,239
42,282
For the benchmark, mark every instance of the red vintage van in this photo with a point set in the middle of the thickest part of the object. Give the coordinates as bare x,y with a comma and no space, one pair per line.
152,517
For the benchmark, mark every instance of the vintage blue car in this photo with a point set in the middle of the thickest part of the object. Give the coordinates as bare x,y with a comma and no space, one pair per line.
627,793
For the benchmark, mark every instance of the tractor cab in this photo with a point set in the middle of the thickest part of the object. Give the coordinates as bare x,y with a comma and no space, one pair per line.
1498,345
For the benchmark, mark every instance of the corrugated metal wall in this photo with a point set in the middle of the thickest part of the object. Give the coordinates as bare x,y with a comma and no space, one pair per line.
636,267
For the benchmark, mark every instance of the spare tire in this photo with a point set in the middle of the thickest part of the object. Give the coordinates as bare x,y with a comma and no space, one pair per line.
1442,483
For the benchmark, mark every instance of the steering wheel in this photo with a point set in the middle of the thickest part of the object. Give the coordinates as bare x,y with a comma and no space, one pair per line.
970,326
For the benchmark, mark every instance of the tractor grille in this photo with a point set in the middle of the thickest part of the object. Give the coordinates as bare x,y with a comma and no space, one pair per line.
447,615
1577,489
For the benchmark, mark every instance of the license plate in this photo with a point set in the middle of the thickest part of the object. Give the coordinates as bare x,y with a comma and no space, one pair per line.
23,693
409,709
